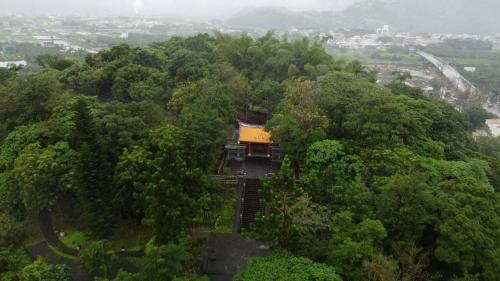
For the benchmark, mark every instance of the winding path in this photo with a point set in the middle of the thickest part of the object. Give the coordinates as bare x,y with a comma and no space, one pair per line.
43,249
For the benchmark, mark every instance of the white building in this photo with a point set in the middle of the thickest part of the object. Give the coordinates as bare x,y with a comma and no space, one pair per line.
51,41
16,63
384,31
470,69
428,89
494,126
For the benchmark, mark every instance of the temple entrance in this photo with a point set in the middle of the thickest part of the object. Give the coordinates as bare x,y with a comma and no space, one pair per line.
253,141
260,149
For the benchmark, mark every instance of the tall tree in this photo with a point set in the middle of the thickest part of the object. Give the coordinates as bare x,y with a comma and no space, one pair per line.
176,193
353,243
290,220
29,99
44,174
164,262
334,178
94,174
300,122
131,177
98,258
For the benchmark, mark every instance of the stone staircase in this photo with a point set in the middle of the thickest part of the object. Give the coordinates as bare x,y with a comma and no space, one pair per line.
251,202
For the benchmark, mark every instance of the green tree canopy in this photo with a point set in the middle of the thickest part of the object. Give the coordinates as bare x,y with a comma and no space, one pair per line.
44,174
41,271
280,266
98,258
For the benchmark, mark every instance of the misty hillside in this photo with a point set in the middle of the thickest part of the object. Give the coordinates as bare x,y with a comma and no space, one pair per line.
406,15
281,18
430,15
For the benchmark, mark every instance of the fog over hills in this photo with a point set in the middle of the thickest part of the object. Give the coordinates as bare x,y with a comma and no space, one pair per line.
457,16
178,9
479,16
281,18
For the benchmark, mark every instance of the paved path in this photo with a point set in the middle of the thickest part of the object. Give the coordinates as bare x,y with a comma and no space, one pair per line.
42,249
228,254
50,235
253,167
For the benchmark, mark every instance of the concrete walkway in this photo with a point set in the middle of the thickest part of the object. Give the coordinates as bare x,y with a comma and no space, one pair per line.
42,249
228,254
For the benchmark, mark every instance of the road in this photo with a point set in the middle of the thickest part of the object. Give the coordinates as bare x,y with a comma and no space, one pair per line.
450,73
458,80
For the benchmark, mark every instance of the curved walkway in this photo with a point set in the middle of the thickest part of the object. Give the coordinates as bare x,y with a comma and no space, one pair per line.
43,249
228,254
50,235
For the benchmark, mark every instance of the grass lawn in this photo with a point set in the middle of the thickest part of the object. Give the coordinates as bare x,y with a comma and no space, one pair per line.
73,237
225,216
127,234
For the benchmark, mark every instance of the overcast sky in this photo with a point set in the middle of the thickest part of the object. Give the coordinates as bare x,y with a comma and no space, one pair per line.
201,9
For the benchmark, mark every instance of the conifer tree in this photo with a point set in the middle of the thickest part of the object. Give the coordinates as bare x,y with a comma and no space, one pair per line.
94,175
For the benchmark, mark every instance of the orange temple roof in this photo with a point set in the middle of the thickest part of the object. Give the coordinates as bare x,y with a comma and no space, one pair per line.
253,134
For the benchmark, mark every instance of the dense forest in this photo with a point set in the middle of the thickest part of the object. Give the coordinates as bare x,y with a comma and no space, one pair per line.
380,183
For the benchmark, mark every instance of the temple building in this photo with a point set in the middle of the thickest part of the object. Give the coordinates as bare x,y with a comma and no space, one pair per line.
250,155
253,141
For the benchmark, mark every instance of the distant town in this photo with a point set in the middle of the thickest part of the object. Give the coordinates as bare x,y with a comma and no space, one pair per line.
73,34
381,49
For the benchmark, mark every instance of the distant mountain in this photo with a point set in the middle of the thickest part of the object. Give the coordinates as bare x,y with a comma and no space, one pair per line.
477,16
280,18
457,16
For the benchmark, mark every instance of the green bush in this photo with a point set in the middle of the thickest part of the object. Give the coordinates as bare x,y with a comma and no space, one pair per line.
281,267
